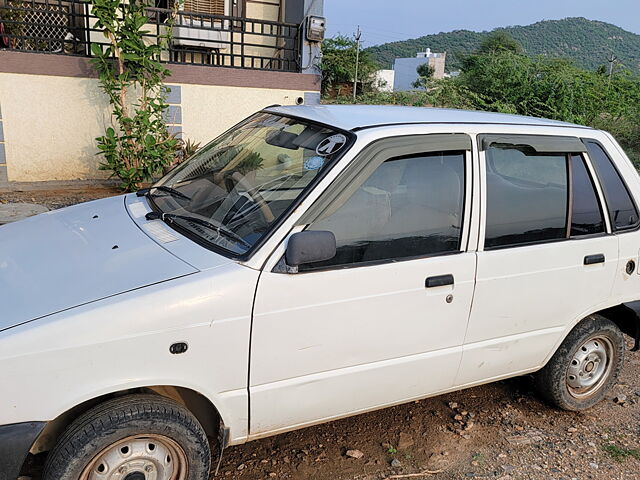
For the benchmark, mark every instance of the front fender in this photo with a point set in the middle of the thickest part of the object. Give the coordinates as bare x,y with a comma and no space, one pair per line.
53,364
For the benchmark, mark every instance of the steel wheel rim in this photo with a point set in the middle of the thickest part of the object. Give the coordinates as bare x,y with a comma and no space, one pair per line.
138,457
590,366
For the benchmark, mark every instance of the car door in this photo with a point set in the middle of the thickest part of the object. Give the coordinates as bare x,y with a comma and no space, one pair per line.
384,320
548,257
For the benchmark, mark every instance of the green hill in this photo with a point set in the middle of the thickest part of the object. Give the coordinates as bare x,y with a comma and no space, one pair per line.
588,42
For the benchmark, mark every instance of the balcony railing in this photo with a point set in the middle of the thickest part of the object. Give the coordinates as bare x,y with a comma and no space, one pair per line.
68,28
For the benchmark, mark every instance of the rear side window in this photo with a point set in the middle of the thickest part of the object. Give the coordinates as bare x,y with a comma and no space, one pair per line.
586,215
527,196
622,210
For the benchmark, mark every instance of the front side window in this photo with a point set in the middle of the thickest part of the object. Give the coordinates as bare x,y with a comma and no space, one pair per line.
622,211
233,191
409,207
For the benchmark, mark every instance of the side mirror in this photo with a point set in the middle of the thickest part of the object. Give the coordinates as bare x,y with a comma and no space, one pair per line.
310,247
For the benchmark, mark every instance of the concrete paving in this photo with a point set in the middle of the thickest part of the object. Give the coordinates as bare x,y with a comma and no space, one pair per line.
12,212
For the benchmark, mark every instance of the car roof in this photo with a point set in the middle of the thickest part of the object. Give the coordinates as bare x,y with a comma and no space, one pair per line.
356,117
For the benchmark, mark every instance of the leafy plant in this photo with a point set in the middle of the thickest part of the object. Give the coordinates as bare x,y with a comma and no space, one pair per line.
251,162
425,74
339,61
392,450
132,77
621,453
13,15
185,149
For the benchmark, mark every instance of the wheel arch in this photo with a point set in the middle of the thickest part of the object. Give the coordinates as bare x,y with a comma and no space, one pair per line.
625,315
199,405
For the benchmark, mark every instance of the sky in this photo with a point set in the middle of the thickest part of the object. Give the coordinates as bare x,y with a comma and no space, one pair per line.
383,21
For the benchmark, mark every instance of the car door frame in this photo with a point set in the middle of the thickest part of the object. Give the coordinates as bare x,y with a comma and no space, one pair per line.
268,255
481,156
297,221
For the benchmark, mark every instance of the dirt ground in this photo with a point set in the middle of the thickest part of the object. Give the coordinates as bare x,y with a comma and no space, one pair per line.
498,431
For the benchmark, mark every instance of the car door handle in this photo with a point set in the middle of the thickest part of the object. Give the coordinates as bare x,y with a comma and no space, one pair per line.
593,259
439,281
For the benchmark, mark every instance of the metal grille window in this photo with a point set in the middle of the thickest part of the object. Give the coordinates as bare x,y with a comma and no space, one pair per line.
211,7
44,26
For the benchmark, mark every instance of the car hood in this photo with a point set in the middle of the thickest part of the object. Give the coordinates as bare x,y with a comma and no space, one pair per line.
77,255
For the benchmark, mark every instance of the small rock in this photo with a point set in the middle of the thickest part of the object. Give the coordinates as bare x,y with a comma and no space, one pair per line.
502,455
395,463
508,468
572,429
273,474
354,454
453,405
241,466
620,399
405,441
458,418
594,466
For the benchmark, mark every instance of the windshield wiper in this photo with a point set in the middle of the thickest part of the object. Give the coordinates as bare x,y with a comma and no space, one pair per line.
220,229
162,188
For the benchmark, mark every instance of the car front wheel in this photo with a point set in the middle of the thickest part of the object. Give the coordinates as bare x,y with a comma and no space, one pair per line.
586,365
135,437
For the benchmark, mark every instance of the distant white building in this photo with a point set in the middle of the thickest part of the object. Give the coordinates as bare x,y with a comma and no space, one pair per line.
384,80
406,68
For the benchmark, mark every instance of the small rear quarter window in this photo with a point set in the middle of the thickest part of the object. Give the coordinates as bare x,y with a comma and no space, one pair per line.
622,210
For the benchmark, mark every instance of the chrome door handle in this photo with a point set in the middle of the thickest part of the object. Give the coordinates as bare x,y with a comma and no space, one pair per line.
593,259
439,281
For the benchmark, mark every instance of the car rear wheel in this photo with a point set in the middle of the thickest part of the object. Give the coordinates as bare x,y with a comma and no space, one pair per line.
136,437
585,367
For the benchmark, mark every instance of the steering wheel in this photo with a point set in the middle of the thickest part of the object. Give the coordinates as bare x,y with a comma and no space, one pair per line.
257,198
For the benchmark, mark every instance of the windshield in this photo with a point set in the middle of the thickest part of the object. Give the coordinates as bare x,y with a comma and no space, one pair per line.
232,191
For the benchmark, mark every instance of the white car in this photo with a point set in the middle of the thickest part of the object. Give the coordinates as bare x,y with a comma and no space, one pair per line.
309,264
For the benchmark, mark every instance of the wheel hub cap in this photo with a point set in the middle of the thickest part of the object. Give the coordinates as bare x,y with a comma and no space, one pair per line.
152,457
589,367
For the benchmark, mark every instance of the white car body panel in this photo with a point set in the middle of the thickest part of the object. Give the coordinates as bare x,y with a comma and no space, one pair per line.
123,342
69,257
370,333
82,320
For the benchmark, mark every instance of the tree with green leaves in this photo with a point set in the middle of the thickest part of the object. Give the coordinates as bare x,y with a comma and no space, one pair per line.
425,75
139,145
338,63
498,42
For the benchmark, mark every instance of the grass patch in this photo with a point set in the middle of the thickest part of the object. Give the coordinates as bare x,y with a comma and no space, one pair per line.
620,453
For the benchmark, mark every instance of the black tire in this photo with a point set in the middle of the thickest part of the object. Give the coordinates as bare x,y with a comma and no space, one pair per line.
558,383
131,420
